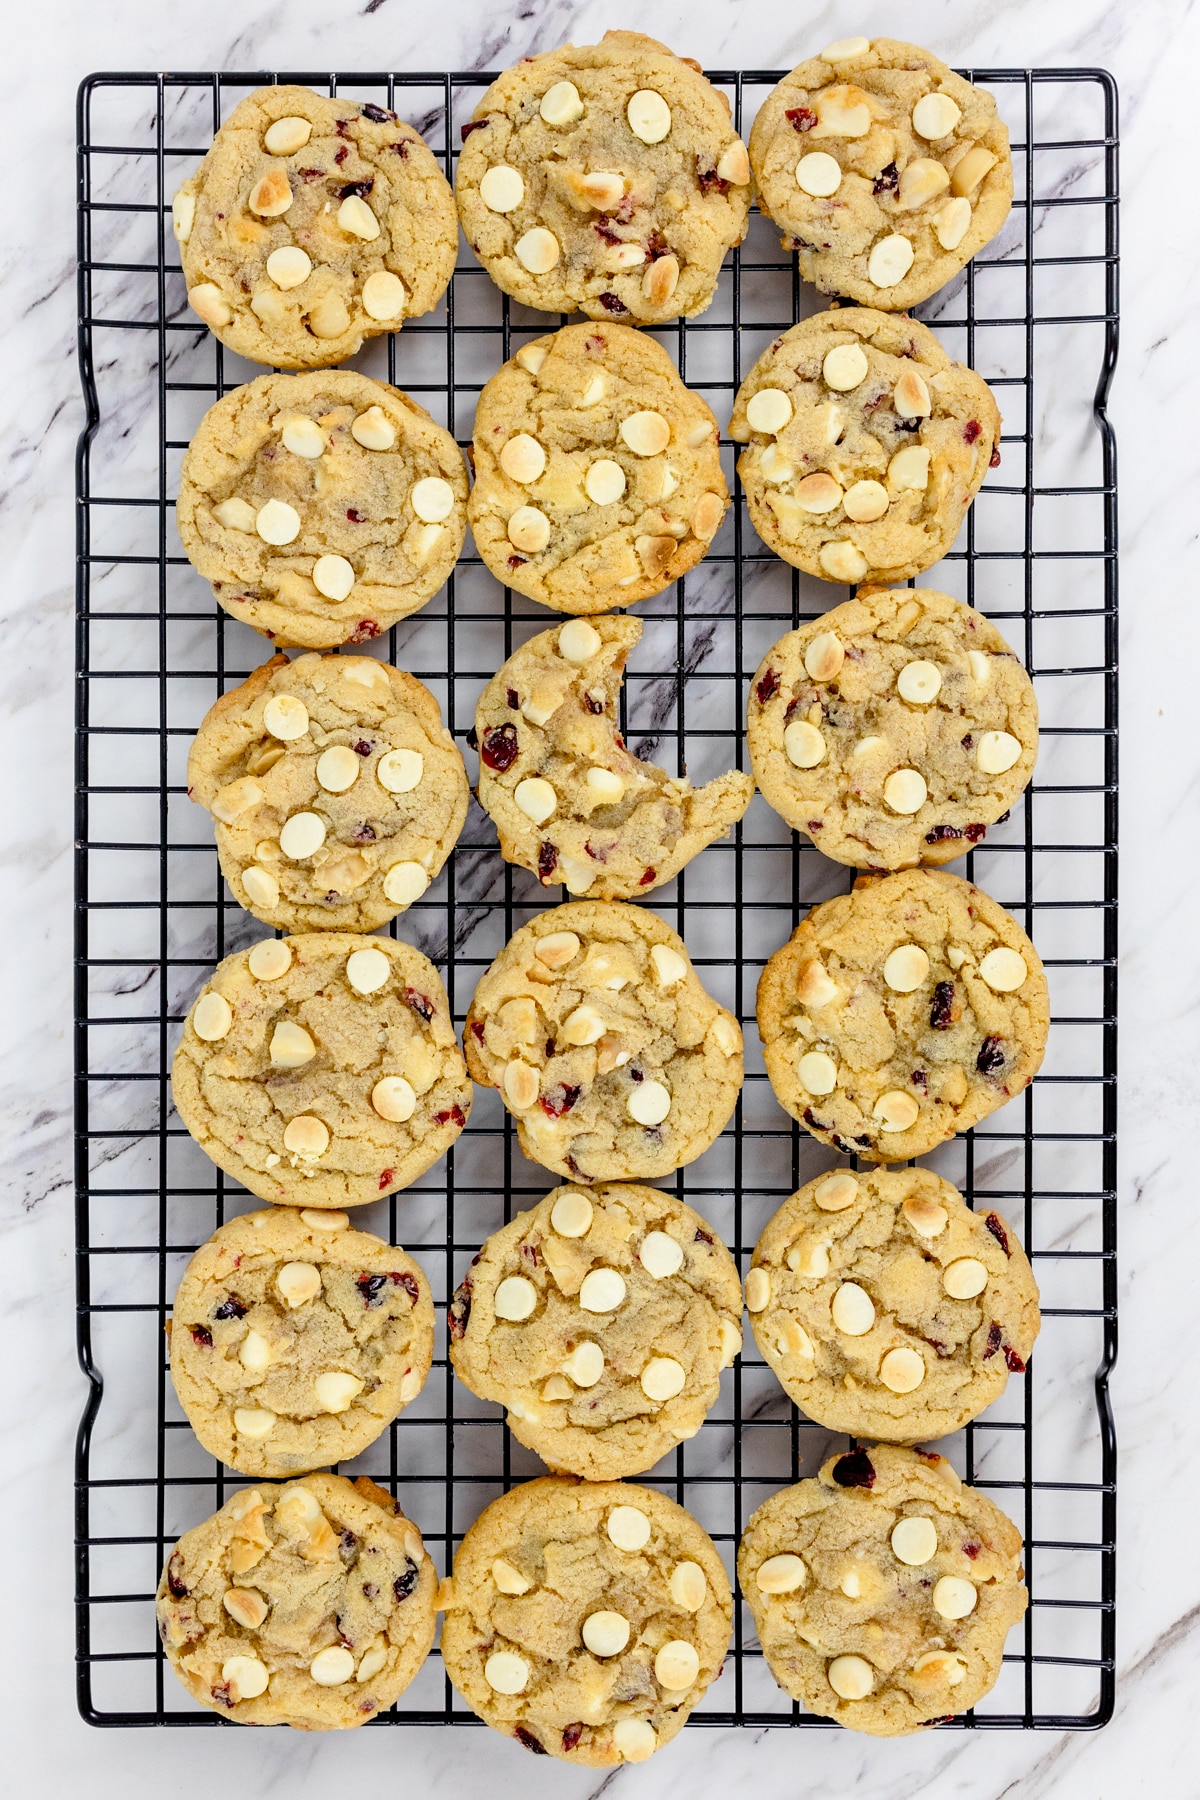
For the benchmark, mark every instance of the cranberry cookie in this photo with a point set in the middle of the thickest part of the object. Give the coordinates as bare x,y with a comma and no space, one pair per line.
322,508
608,1052
865,445
313,224
312,1605
322,1070
336,792
893,730
586,1620
295,1341
569,801
884,169
605,179
888,1308
598,478
902,1013
602,1322
883,1589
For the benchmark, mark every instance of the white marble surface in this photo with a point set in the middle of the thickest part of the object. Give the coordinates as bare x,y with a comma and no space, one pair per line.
47,1750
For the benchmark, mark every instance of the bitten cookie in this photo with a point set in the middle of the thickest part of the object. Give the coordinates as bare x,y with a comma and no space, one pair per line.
883,168
605,178
602,1322
902,1013
295,1341
569,801
321,508
322,1070
888,1308
865,445
311,1605
336,792
598,476
608,1052
312,224
883,1589
893,730
586,1620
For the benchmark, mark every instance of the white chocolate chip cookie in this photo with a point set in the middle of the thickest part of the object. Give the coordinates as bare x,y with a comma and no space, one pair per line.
602,1321
598,478
322,508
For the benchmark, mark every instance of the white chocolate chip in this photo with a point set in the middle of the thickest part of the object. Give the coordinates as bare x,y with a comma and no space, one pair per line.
890,261
235,514
628,1528
919,682
670,482
585,1364
288,266
405,882
803,744
285,717
845,50
303,437
246,1676
302,836
851,1677
914,1540
571,1215
370,1665
998,751
649,1103
594,392
269,959
935,116
636,1739
781,1574
926,1217
298,1283
845,367
285,136
536,799
384,296
645,433
852,1309
432,499
964,1278
954,1598
865,501
531,356
605,786
843,561
523,458
824,656
601,1290
970,169
271,195
277,522
183,214
212,1017
508,1579
660,1255
677,1665
246,1606
980,665
330,317
209,303
688,1586
336,1390
733,164
819,174
355,217
502,189
606,1633
254,1352
895,1110
911,397
538,250
516,1298
583,1026
842,112
951,223
505,1672
906,968
730,1342
908,470
819,493
373,429
944,1666
902,1370
905,791
333,576
529,529
367,970
1004,970
649,116
306,1136
557,948
253,1421
578,641
520,1085
663,1378
836,1192
921,180
758,1290
813,984
400,771
669,967
394,1099
769,410
818,1072
338,768
809,1258
261,886
291,1045
561,104
775,466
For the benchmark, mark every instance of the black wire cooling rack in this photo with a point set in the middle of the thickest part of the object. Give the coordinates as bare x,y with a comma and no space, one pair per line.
1037,315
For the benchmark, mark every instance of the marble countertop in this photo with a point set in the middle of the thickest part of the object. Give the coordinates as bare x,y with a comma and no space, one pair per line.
47,1749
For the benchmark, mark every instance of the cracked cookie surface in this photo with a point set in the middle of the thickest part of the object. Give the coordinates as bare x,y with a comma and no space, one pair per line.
605,178
902,1013
865,445
602,1321
335,790
886,1307
295,1341
607,1050
883,168
311,1605
883,1589
322,508
893,730
586,1619
312,224
322,1070
598,478
569,800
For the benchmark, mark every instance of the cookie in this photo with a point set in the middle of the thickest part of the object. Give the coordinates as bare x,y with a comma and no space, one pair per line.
602,1321
569,800
865,445
888,1308
295,1341
322,1070
611,1057
335,790
310,1605
598,476
883,1590
604,178
883,168
322,508
902,1013
893,730
312,224
586,1620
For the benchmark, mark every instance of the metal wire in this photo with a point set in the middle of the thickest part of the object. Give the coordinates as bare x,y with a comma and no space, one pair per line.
152,914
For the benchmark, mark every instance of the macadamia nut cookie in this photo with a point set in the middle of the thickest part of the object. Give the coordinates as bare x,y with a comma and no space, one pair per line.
598,478
569,801
295,1341
883,168
888,1308
602,1321
902,1013
310,1605
335,790
865,445
322,508
604,178
313,224
586,1620
883,1589
322,1070
612,1058
893,730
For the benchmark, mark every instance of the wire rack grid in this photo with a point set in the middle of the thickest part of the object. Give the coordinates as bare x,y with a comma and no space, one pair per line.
1036,314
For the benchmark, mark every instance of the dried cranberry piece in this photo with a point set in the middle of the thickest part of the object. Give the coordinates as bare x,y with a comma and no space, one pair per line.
593,705
767,687
472,737
355,517
459,1309
202,1335
967,741
855,1469
972,1550
363,832
371,1288
370,1590
551,1046
994,1340
339,156
530,1742
559,1100
404,1584
547,860
703,1237
995,462
517,562
223,1695
887,180
386,1178
513,698
231,1308
175,1587
470,126
1015,1363
363,632
709,179
454,1112
500,749
996,1227
816,825
945,1009
477,1030
614,304
311,175
421,1004
991,1056
656,246
941,832
348,1541
595,343
378,115
973,833
971,430
919,1079
400,149
359,188
800,118
362,748
571,1736
343,127
605,232
530,1252
649,876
